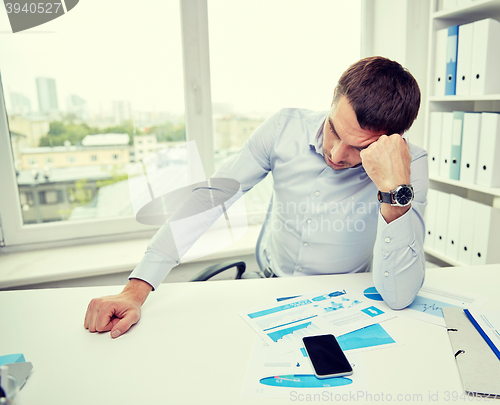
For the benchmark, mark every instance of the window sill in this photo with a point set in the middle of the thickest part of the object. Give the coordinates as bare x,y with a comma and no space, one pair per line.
66,263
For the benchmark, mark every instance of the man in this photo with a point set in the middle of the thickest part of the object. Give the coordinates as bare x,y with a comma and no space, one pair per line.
349,194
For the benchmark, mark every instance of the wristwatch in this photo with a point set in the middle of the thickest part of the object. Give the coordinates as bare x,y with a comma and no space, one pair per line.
401,196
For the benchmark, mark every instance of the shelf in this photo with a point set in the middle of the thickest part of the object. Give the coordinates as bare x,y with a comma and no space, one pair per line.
470,97
468,186
475,10
441,256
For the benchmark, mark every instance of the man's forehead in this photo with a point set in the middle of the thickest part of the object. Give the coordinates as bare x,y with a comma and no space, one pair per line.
342,120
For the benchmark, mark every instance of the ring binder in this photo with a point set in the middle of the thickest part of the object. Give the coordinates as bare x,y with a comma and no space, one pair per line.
478,366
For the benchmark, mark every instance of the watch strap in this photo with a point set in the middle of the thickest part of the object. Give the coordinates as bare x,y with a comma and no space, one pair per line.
385,197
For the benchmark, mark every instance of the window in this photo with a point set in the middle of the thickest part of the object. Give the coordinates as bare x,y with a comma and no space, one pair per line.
271,55
26,199
50,197
251,72
49,160
63,103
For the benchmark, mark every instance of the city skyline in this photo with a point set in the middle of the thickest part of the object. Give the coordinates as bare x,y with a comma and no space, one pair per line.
137,57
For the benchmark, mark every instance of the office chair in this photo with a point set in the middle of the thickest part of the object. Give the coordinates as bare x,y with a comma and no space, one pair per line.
264,272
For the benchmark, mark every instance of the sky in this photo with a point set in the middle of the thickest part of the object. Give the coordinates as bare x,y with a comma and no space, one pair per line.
264,55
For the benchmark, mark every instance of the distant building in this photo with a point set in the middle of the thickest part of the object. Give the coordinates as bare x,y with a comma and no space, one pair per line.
48,195
47,95
232,131
78,106
106,140
146,145
96,150
19,104
73,156
122,111
32,126
25,132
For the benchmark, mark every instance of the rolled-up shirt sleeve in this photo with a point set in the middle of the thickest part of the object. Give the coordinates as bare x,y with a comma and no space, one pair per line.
398,258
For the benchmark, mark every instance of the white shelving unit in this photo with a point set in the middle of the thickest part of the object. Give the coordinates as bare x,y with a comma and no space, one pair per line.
473,11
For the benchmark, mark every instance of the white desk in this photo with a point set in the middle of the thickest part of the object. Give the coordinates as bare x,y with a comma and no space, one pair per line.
166,359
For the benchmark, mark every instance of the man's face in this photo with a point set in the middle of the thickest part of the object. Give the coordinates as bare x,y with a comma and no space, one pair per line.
343,138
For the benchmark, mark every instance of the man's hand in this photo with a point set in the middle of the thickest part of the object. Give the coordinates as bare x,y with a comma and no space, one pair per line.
387,162
117,313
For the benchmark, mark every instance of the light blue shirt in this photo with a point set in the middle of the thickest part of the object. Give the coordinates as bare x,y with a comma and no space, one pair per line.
323,221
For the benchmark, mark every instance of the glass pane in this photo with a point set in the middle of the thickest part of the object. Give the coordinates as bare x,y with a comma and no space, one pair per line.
83,92
268,55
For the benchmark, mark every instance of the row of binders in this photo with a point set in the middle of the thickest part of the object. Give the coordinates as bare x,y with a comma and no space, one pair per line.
465,146
467,59
461,229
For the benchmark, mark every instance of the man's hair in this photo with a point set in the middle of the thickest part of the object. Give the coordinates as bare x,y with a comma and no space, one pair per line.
383,94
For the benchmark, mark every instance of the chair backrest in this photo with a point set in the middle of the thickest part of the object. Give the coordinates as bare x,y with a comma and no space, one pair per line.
259,247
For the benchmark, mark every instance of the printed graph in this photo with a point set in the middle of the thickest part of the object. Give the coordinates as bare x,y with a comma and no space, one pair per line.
372,294
429,306
304,381
294,333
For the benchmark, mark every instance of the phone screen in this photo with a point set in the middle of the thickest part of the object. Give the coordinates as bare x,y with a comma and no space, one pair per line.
326,356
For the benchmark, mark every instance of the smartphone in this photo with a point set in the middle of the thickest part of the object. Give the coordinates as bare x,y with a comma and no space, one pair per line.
326,356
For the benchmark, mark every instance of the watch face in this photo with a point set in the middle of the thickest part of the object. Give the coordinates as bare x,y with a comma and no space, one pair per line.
404,196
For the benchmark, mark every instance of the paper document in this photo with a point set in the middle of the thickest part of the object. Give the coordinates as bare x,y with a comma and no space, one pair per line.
487,323
283,325
290,375
429,302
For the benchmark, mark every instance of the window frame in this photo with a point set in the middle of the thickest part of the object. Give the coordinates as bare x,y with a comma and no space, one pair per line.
15,236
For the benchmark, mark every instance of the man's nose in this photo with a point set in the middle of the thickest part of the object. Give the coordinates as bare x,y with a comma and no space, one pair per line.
340,152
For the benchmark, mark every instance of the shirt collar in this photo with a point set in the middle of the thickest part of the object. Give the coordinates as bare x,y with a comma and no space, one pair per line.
316,136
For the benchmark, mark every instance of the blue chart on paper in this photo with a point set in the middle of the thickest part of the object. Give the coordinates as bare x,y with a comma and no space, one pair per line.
372,294
420,304
304,381
288,331
429,306
374,335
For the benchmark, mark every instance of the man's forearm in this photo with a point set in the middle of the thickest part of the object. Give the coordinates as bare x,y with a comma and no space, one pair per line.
399,261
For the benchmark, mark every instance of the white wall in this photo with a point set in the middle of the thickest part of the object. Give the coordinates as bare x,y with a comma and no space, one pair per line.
398,30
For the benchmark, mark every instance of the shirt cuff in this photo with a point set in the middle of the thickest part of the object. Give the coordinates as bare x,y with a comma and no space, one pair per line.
153,269
397,234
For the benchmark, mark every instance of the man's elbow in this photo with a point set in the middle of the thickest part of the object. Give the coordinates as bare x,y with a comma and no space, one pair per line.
401,298
399,304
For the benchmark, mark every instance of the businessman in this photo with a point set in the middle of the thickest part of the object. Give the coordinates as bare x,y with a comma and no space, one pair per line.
349,195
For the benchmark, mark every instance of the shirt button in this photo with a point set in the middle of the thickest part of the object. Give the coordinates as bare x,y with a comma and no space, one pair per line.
300,269
317,193
306,244
386,274
308,221
387,240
